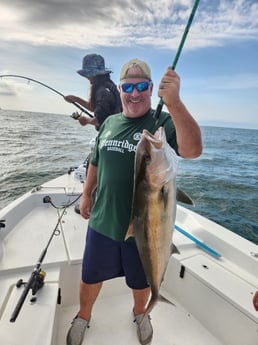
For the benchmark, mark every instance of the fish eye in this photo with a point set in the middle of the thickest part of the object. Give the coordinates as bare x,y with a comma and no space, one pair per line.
164,191
147,157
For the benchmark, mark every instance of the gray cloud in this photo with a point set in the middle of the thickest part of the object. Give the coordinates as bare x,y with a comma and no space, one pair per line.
58,12
13,88
126,22
6,90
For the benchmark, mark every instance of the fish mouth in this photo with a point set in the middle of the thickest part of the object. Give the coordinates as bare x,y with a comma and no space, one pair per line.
155,164
154,139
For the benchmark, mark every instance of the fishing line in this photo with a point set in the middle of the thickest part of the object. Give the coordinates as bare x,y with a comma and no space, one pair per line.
160,104
47,199
47,86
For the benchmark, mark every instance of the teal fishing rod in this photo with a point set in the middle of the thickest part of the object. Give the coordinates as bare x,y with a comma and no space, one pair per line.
47,86
179,50
198,242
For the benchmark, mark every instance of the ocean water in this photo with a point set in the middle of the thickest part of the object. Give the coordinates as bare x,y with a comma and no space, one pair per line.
223,182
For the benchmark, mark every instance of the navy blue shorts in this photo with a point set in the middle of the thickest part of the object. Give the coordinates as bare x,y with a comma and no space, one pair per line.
105,259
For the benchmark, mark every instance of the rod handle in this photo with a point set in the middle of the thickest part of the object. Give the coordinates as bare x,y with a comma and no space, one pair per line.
21,300
158,110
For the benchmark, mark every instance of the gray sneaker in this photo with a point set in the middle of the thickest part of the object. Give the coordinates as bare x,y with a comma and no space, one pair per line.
76,332
144,329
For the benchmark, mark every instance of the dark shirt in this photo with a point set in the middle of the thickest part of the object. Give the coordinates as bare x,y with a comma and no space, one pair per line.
107,102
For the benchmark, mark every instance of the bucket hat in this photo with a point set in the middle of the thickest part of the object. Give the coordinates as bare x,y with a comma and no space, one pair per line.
92,65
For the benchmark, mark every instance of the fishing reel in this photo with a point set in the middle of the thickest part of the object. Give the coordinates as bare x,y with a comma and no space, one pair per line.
35,284
38,282
76,115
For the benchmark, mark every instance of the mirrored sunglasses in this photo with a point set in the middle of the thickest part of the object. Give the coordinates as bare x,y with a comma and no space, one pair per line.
140,87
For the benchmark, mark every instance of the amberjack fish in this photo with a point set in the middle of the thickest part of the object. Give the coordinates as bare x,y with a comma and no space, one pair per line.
154,207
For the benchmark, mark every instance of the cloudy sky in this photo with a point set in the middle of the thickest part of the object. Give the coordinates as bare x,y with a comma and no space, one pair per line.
46,40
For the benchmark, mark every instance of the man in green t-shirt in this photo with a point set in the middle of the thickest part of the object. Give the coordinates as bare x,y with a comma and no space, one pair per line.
106,254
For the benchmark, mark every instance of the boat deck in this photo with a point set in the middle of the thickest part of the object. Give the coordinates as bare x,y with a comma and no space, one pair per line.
112,322
211,300
45,322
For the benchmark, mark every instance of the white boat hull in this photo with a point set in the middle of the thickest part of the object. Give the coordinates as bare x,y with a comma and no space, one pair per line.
211,298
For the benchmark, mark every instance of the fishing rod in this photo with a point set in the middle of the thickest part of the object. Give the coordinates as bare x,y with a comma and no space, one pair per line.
47,86
36,280
199,243
179,50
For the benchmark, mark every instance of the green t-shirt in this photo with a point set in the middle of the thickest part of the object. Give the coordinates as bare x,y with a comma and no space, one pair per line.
113,155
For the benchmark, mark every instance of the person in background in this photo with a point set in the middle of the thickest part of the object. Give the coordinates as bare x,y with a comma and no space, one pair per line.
255,301
107,255
104,96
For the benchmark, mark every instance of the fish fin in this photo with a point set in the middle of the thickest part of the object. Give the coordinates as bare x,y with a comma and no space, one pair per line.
174,250
164,299
152,302
183,197
129,231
